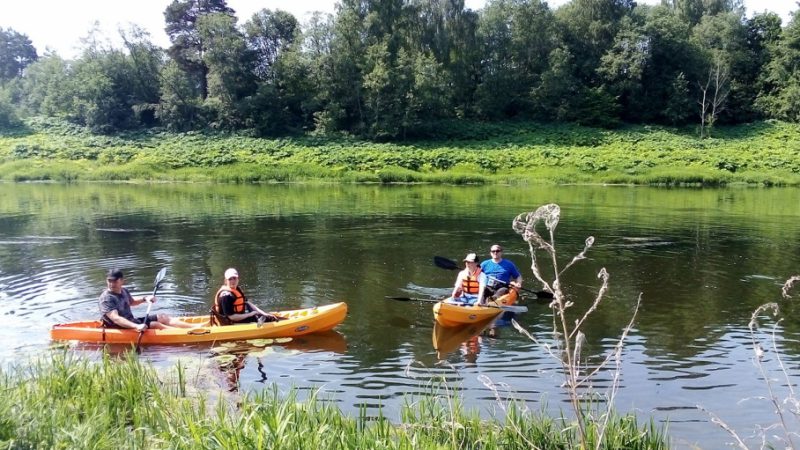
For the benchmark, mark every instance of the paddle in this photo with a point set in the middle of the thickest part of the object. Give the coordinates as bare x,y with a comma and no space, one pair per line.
159,277
512,308
449,264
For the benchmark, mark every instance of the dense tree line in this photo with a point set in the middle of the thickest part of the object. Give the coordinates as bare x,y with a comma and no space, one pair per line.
388,69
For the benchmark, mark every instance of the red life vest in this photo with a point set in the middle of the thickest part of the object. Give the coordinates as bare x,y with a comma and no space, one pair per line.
470,284
239,304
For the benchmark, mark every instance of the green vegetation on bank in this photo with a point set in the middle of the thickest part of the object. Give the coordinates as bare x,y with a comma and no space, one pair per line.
69,402
764,153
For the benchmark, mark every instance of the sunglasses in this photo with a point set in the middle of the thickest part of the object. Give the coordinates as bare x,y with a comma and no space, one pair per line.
496,251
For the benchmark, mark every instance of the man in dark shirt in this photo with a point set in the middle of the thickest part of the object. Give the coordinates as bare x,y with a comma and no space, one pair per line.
115,307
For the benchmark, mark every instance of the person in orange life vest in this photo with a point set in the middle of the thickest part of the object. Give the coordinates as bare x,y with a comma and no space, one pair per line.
115,308
231,303
467,285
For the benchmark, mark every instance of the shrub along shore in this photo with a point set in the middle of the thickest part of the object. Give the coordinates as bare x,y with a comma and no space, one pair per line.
764,153
71,402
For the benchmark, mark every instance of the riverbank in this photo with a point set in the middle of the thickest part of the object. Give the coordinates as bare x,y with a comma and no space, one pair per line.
765,153
67,402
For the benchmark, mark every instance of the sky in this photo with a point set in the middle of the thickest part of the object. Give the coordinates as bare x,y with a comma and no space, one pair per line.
60,25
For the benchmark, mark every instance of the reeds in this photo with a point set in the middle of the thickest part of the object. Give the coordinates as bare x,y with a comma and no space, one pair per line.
781,393
66,402
595,419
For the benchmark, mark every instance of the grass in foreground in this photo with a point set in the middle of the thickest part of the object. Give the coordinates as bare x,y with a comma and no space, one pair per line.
70,402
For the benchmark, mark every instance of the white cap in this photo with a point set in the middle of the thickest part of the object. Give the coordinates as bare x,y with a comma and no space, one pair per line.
471,257
230,273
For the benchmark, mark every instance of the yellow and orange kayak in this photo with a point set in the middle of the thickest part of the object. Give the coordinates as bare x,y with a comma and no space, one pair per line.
455,315
298,323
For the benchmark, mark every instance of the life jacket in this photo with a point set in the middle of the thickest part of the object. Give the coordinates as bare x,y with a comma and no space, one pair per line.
239,305
470,284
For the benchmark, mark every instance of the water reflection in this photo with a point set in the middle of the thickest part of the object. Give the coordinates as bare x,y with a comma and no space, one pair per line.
465,338
702,259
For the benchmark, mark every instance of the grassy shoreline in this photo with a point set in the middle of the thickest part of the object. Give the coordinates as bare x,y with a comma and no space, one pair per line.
70,402
764,153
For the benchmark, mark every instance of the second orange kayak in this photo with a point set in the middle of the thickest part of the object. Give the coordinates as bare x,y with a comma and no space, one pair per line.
454,314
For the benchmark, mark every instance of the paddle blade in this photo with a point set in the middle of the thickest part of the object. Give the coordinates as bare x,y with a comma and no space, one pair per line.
444,263
160,276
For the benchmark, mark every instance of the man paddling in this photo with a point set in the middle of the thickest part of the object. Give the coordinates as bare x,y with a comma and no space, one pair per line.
115,308
500,274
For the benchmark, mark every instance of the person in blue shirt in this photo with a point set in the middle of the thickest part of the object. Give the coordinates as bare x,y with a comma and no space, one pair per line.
500,274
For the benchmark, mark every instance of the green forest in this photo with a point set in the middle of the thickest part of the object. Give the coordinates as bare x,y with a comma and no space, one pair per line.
394,70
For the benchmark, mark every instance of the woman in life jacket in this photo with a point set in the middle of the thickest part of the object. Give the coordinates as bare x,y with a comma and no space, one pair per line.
467,286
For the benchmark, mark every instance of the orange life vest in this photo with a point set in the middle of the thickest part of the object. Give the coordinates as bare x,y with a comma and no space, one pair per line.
239,304
470,284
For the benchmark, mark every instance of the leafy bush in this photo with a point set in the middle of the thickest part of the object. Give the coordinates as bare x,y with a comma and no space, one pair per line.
763,153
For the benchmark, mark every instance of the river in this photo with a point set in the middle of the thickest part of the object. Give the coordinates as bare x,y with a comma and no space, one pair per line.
702,259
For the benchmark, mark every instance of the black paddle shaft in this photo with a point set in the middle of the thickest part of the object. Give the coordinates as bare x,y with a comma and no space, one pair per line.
413,299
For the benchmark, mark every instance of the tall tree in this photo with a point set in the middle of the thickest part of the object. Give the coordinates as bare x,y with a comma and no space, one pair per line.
269,33
180,108
674,66
16,53
780,80
624,65
589,28
230,68
713,95
722,39
46,88
145,61
555,96
341,95
518,37
187,47
763,31
692,11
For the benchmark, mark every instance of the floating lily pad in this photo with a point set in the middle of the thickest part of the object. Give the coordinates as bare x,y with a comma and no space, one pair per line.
225,360
266,351
283,340
61,344
228,344
261,342
221,349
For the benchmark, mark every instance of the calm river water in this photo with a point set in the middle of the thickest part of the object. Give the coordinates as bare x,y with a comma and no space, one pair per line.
702,259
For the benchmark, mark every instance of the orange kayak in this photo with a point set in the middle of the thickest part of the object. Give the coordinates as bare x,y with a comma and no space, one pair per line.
455,315
298,322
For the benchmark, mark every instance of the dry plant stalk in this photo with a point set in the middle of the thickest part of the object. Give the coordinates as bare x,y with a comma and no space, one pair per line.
786,407
568,336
